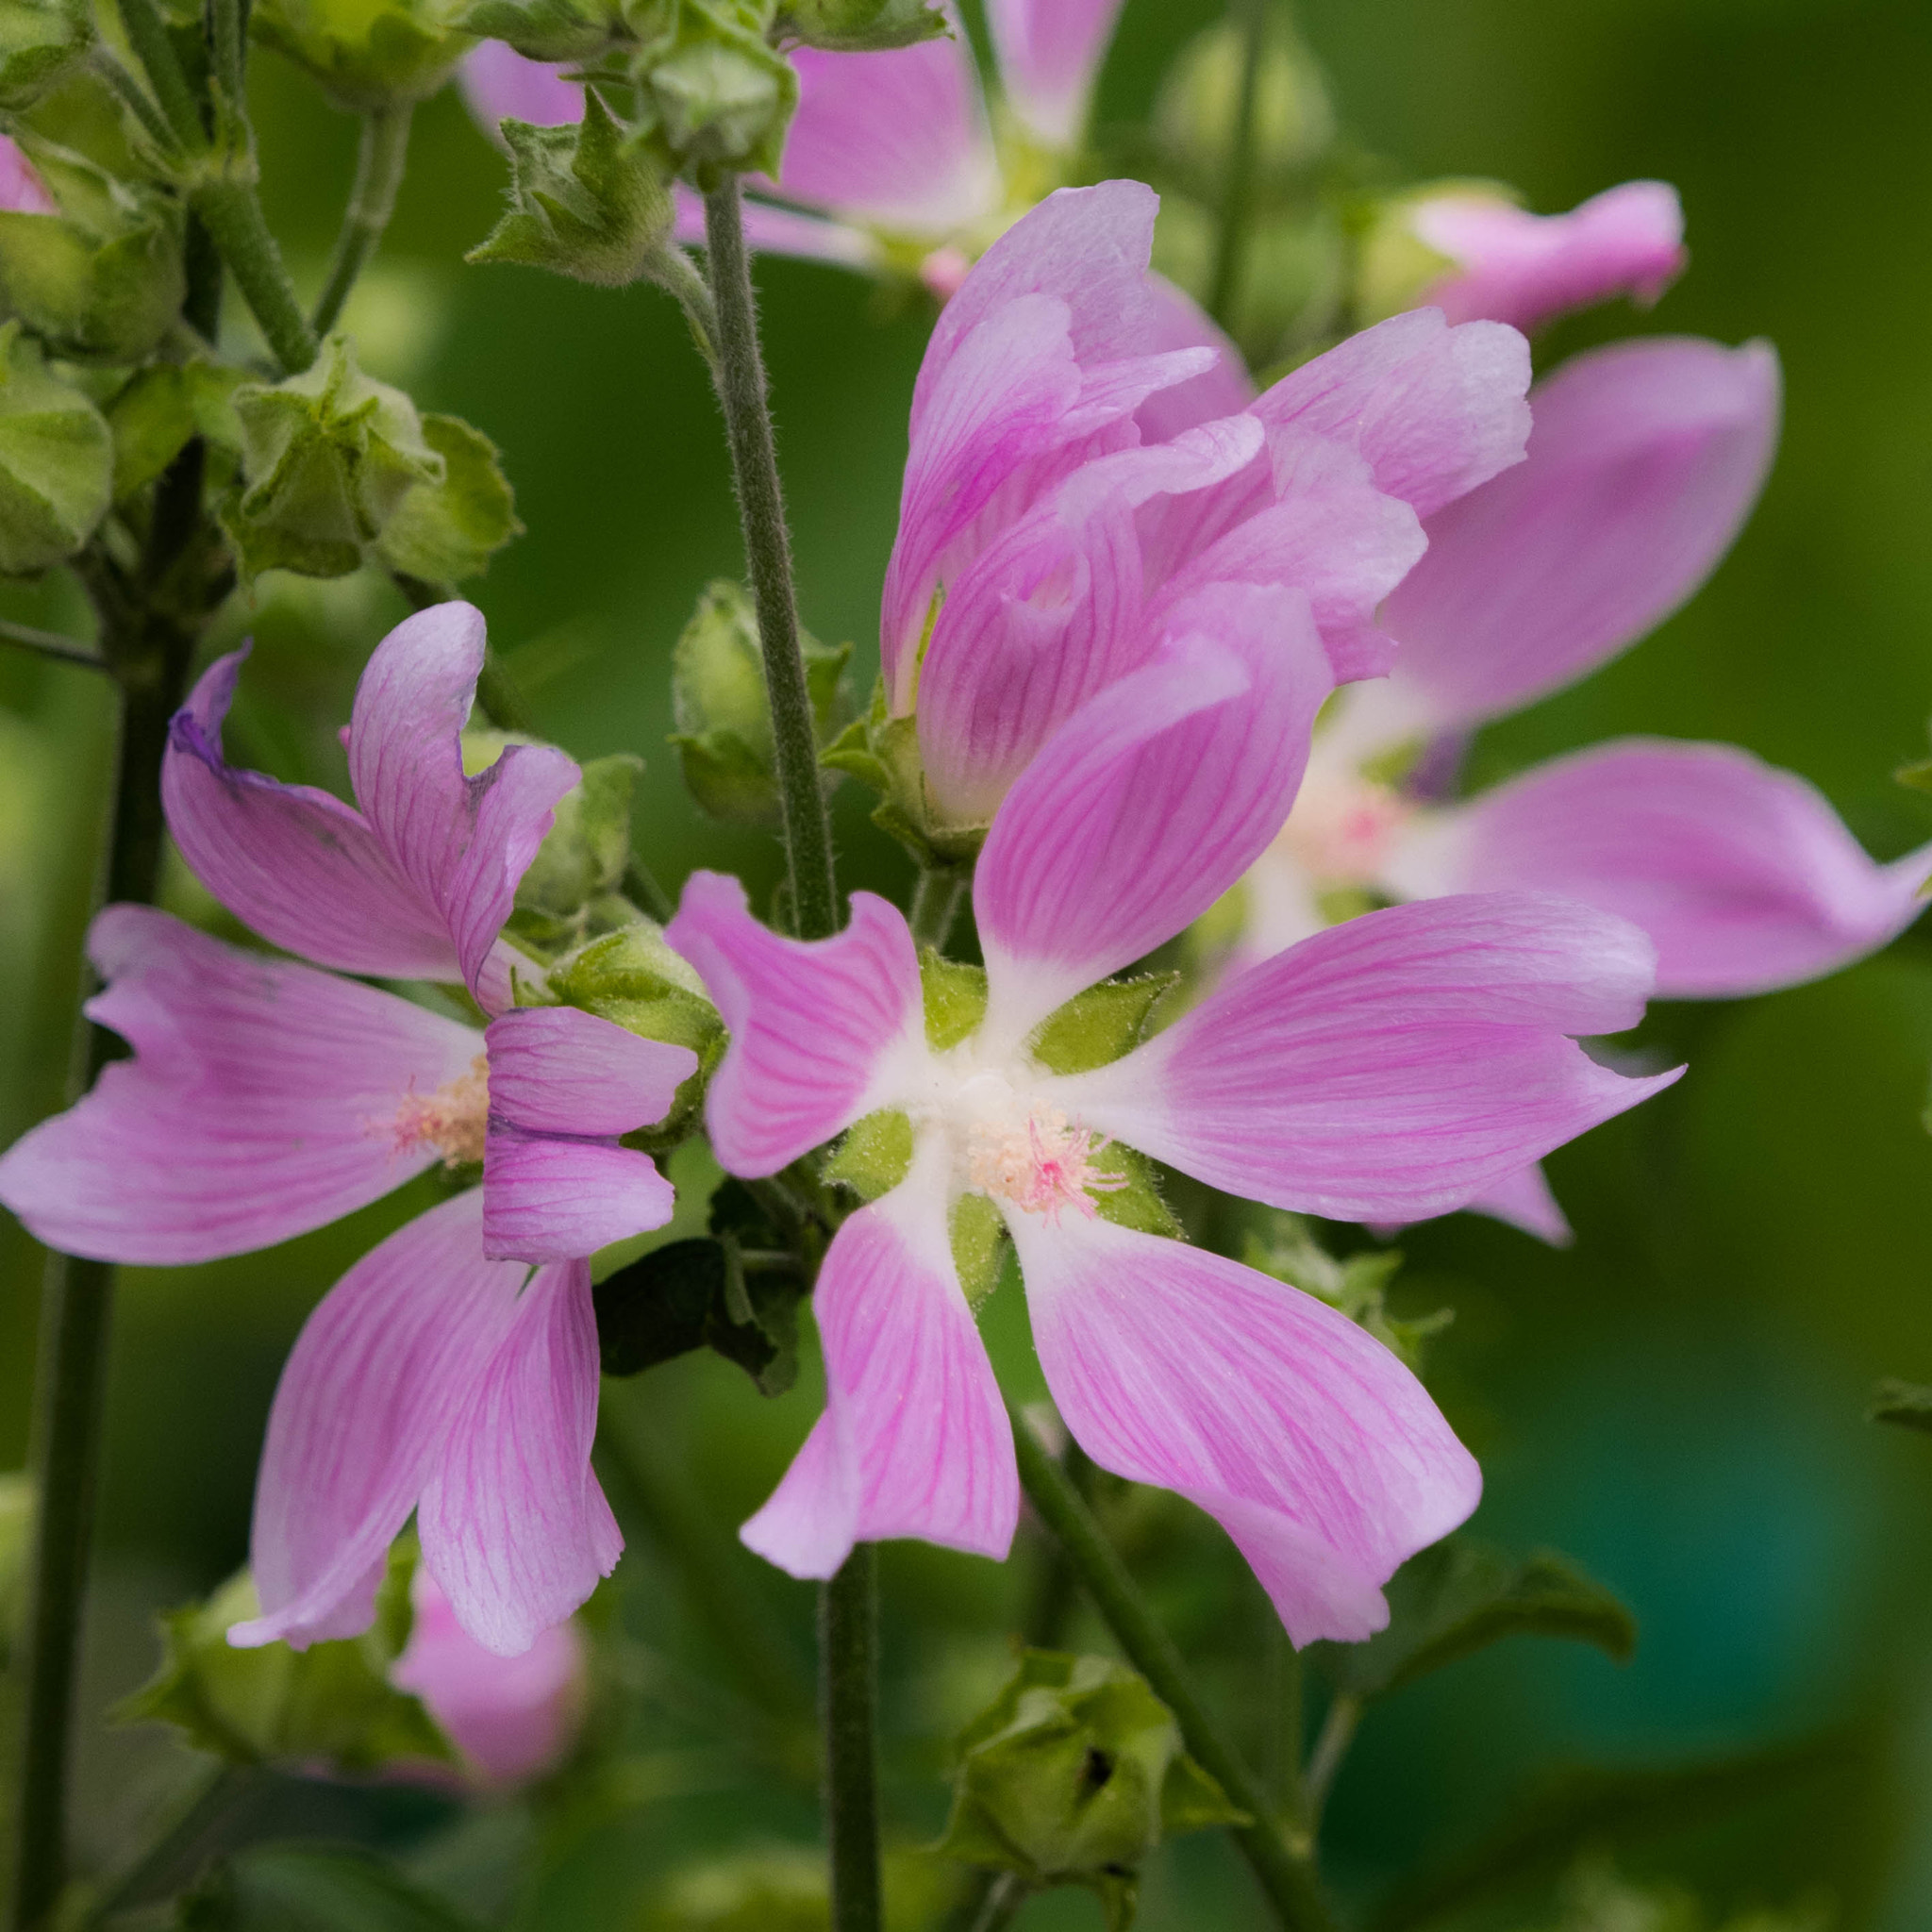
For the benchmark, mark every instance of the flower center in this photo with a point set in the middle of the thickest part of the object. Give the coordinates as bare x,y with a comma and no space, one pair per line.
454,1120
1341,827
1043,1163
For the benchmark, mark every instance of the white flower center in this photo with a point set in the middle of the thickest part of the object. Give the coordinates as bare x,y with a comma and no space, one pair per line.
1020,1149
1342,826
454,1120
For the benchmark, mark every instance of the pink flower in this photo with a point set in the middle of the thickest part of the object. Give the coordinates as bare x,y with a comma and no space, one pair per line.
1527,270
1395,1063
22,190
265,1098
1044,540
513,1719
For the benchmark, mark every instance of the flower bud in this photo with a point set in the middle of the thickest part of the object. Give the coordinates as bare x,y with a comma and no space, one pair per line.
550,30
90,264
857,26
57,461
715,94
40,42
723,734
1072,1776
585,201
367,53
574,888
328,458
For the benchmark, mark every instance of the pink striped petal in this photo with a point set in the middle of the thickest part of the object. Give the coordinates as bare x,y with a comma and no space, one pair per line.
462,843
22,190
514,1525
1526,269
548,1198
1521,1200
1645,460
816,1028
1434,409
770,230
1318,1452
899,139
1742,874
381,1373
263,1099
557,1069
1181,323
500,84
1392,1067
914,1441
1050,53
306,870
1148,803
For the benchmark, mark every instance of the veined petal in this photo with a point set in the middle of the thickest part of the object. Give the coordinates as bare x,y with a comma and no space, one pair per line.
1742,874
819,1030
1181,323
1526,269
1392,1067
381,1373
514,1525
462,843
500,84
914,1441
1149,802
898,138
1521,1200
1318,1452
306,870
558,1070
1645,460
263,1099
1050,53
550,1197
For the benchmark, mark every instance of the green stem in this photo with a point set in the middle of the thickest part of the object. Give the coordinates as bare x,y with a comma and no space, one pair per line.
848,1696
1285,1723
148,37
1236,192
1003,1898
117,76
379,164
1285,1875
936,907
1331,1747
673,270
768,551
50,643
642,888
232,212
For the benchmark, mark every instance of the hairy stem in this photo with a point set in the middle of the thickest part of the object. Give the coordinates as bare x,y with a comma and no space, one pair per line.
1285,1875
379,164
936,908
232,213
148,37
768,550
848,1696
1238,186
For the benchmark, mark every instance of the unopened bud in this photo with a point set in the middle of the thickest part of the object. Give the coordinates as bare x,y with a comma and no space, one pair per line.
367,54
857,26
550,30
715,94
42,42
57,461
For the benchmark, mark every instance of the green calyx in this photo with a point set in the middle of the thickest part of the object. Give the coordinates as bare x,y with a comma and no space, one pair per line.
1395,266
858,26
587,201
1357,1286
42,42
1072,1776
716,96
367,54
554,31
57,461
724,716
881,751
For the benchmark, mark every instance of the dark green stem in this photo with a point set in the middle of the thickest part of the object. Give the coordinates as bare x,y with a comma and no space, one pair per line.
1285,1875
232,212
848,1698
1238,187
768,551
1331,1747
1284,1722
148,37
50,643
936,907
379,164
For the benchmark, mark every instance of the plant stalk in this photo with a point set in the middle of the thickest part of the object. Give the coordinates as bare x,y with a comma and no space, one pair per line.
936,907
848,1696
1331,1747
50,643
231,211
768,551
379,164
1007,1894
1238,187
1285,1875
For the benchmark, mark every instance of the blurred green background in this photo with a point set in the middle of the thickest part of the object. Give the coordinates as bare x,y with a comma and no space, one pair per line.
1677,1402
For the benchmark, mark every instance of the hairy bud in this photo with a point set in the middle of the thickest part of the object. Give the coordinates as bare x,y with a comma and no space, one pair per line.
57,461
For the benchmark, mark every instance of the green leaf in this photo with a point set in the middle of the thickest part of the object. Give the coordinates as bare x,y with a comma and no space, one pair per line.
1460,1596
42,42
306,1888
1907,1403
979,1245
874,1155
1101,1025
57,461
444,531
955,999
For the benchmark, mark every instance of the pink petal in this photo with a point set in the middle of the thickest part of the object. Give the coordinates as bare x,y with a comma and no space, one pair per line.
1645,459
1050,53
514,1525
1181,323
462,843
22,190
549,1198
1392,1067
513,1719
1149,802
899,139
778,231
1434,409
1318,1452
263,1099
558,1070
1742,874
500,84
381,1373
914,1441
816,1027
306,870
1521,1200
1526,269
